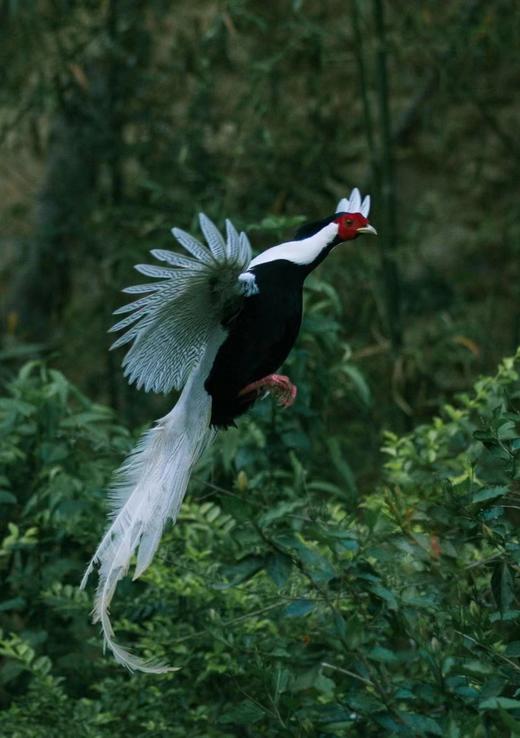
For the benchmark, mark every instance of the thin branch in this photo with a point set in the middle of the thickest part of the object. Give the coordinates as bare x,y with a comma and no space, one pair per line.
253,503
348,673
233,621
489,650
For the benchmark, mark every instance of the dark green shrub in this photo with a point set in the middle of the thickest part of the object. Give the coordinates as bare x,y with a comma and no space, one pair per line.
291,610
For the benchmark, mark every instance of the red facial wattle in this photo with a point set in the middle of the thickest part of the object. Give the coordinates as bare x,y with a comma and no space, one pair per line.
351,225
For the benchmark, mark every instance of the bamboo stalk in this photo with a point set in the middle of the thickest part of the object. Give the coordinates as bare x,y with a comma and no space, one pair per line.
363,85
388,237
114,124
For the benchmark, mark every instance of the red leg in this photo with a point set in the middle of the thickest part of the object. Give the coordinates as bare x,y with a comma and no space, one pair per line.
277,384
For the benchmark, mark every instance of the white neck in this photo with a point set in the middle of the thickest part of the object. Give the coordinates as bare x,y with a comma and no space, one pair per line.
299,252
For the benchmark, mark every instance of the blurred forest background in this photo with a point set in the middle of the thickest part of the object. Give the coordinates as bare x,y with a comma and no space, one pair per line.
314,585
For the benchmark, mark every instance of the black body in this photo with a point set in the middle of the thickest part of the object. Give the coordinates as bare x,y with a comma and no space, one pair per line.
260,337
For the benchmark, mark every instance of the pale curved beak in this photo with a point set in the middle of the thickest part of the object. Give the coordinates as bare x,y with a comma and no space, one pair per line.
367,229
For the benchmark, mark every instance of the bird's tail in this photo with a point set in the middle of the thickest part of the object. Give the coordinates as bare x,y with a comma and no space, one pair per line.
149,491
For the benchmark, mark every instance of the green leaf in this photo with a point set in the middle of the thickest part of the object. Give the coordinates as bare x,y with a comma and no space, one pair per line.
513,649
422,724
281,678
245,713
279,567
305,679
324,684
7,498
365,703
277,512
336,718
241,572
502,586
359,384
385,594
317,566
356,633
341,464
510,722
383,655
299,608
16,603
489,493
499,703
505,616
15,406
340,625
507,430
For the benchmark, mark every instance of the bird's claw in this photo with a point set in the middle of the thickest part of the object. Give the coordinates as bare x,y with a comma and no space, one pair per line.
277,384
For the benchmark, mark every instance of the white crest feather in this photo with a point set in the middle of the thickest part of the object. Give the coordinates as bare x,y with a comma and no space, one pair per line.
355,200
343,205
353,204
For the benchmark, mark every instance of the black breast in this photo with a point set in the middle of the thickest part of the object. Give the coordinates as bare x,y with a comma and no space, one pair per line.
259,340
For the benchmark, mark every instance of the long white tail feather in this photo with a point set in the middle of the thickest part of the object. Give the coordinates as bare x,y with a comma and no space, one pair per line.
148,491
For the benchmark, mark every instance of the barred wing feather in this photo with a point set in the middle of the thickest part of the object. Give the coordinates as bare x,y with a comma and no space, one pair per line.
169,328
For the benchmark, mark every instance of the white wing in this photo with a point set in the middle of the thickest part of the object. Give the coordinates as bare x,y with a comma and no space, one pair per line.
170,327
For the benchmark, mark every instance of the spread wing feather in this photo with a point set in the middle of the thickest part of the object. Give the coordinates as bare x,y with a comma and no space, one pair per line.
137,289
194,247
170,327
213,237
177,260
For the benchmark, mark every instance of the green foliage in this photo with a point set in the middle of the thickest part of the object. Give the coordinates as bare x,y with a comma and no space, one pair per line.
289,610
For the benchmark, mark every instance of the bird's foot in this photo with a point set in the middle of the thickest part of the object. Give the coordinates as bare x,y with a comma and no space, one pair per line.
277,384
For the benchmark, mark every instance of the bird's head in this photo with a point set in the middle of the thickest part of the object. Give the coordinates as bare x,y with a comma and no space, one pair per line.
313,241
350,225
352,217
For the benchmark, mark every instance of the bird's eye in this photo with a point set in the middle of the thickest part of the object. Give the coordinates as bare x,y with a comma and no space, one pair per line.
349,221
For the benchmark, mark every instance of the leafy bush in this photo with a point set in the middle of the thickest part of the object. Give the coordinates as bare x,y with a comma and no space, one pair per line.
291,608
